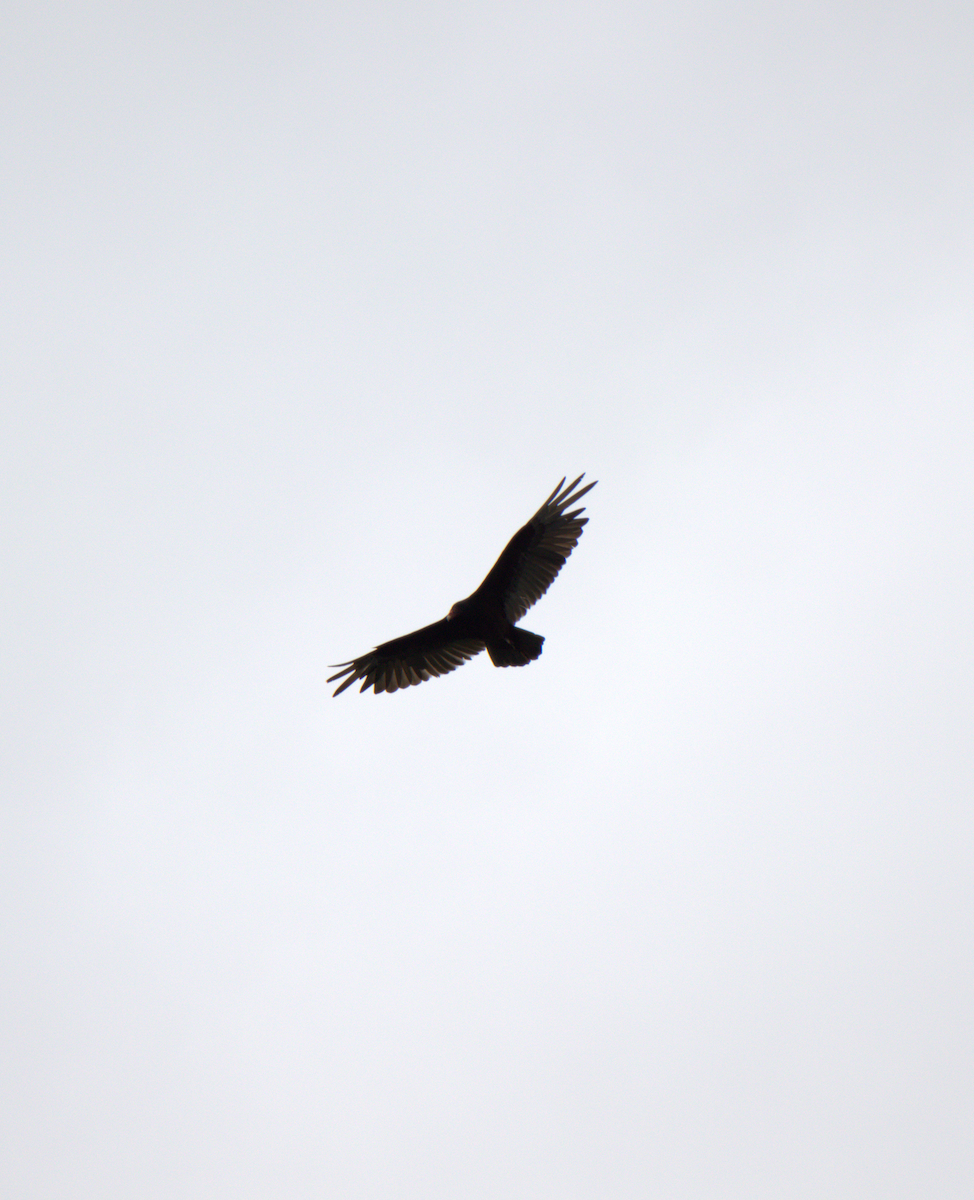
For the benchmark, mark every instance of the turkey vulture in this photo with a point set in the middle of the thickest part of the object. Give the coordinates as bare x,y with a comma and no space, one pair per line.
519,578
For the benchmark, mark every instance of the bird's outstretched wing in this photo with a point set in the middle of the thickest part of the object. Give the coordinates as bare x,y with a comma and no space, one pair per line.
537,552
433,650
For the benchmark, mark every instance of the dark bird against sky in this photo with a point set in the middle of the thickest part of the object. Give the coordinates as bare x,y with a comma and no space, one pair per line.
488,618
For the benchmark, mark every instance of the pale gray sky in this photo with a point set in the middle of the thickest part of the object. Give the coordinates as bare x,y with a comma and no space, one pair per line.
306,309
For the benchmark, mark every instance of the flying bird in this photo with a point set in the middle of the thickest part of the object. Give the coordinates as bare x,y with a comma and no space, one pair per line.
488,618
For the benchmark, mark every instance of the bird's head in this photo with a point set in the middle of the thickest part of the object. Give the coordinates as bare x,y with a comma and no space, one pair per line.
456,610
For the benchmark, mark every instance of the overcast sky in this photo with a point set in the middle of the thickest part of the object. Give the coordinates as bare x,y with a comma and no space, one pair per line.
306,309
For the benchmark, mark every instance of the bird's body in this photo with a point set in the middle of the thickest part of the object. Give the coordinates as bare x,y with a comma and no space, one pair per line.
488,618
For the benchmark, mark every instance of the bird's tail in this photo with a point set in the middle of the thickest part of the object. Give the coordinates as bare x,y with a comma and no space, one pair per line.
518,649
